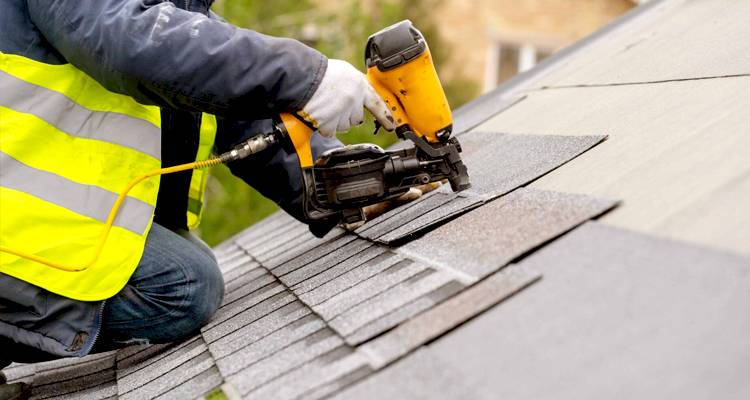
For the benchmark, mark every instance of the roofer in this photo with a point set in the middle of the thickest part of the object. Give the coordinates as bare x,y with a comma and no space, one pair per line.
94,92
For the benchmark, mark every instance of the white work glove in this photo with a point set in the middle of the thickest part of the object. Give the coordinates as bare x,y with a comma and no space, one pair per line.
339,102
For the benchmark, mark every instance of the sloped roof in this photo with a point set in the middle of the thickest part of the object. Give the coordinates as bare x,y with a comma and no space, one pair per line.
505,290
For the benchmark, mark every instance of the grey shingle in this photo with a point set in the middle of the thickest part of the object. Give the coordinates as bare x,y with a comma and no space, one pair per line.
616,312
420,376
351,264
247,284
273,223
391,276
257,246
178,370
327,261
247,314
291,244
456,206
390,300
449,314
284,360
404,312
308,257
366,270
319,377
396,217
243,266
133,359
300,249
261,298
255,325
201,384
499,163
228,255
270,344
90,377
489,237
20,373
147,369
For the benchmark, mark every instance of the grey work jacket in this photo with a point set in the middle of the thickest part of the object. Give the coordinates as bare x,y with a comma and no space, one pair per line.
185,61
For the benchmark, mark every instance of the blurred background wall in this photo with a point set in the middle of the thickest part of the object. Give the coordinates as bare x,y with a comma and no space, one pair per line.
476,44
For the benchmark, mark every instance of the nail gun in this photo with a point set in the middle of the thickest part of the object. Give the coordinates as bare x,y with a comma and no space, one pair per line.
343,180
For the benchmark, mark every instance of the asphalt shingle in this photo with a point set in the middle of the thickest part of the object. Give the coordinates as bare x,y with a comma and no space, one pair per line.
393,299
497,163
616,312
449,314
489,237
92,377
316,379
420,376
163,376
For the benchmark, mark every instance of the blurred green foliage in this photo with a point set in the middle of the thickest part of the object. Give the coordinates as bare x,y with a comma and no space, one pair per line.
231,204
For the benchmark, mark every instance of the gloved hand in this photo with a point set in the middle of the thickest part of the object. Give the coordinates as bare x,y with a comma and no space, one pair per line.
340,100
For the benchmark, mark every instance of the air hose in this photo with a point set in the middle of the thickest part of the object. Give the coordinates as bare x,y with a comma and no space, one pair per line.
251,146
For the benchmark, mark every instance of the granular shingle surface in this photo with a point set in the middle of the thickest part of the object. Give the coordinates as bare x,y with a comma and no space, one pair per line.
497,163
626,313
489,237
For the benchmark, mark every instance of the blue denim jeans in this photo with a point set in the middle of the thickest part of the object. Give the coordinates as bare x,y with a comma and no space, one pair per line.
175,290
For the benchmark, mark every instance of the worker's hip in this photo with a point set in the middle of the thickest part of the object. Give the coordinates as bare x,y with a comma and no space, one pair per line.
175,289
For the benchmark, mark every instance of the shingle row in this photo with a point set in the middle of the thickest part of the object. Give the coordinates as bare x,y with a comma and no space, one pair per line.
497,163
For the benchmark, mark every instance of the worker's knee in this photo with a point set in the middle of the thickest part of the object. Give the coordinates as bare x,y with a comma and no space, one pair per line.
175,290
208,291
202,294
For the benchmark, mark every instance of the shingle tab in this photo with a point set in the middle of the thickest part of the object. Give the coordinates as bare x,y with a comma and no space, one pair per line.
320,377
92,377
391,276
404,312
267,346
497,163
315,282
456,206
258,329
393,299
398,216
616,312
308,270
262,371
262,298
420,376
345,281
184,367
312,255
449,314
254,323
489,237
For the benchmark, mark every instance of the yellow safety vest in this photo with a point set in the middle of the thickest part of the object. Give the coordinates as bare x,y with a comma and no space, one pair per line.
200,176
68,146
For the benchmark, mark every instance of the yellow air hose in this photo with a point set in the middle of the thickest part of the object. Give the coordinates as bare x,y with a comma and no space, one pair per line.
251,146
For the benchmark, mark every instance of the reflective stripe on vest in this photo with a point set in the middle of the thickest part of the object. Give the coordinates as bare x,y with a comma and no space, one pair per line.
68,147
200,176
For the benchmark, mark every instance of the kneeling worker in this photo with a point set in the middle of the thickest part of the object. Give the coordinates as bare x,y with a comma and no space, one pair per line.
96,92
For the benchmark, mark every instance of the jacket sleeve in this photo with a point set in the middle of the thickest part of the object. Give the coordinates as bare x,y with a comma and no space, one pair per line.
274,173
162,55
